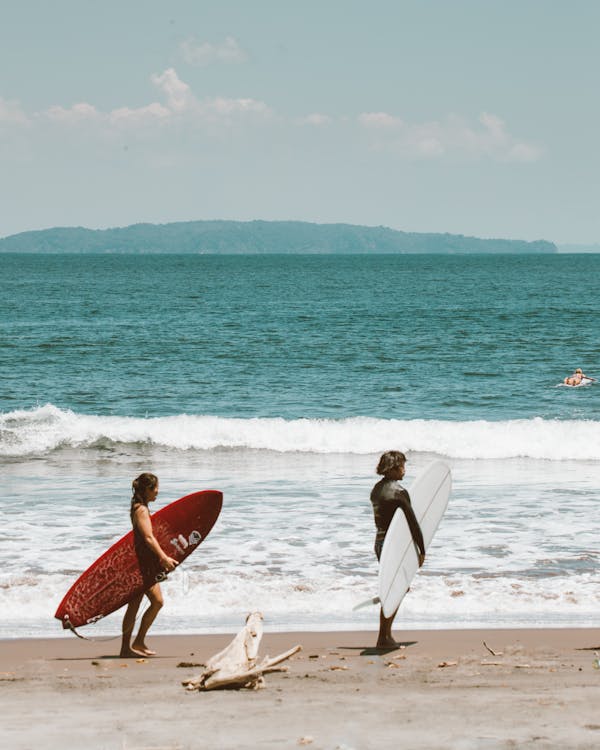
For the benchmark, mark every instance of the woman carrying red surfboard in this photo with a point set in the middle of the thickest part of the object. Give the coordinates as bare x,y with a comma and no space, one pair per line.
145,491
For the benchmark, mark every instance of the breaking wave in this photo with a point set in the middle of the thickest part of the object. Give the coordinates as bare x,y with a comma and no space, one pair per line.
48,428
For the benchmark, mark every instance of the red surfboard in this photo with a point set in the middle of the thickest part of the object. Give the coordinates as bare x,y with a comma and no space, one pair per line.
126,569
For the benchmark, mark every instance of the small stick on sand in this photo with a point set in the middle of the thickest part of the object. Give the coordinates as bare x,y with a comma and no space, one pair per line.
493,653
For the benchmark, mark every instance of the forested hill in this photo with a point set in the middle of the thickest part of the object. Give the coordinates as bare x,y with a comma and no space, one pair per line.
256,237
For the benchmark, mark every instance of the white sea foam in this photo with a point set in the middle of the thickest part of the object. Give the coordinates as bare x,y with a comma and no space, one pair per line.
219,601
48,428
518,544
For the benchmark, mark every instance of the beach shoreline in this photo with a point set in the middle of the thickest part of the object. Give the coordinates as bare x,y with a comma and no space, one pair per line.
443,688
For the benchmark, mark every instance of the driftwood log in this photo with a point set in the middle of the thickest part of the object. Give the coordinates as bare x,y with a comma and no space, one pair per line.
236,665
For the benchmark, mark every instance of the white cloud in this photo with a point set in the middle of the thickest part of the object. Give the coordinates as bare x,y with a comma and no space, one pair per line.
151,113
221,106
72,115
86,114
179,95
11,112
316,119
430,146
181,101
379,120
494,125
449,137
524,152
205,53
180,104
494,140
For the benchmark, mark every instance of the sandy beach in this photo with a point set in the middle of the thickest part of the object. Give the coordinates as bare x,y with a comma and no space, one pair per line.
443,688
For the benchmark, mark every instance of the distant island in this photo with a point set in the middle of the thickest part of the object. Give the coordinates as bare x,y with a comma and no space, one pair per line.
257,237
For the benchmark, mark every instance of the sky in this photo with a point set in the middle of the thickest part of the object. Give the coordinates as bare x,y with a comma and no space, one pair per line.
475,117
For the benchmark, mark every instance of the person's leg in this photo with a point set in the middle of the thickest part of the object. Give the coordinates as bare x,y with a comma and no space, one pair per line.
128,625
156,601
385,638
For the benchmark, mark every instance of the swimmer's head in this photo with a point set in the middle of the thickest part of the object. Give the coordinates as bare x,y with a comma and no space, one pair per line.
579,370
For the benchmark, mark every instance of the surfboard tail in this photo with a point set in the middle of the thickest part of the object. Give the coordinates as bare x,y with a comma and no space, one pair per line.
367,603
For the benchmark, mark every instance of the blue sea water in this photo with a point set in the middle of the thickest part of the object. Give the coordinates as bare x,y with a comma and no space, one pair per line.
279,379
432,337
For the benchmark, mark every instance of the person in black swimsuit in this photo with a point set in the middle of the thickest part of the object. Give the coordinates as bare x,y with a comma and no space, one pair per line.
386,497
145,490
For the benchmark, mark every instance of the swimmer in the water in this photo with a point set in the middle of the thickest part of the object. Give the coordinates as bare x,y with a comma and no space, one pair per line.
577,377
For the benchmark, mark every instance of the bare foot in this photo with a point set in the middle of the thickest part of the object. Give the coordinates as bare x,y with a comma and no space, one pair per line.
143,649
130,653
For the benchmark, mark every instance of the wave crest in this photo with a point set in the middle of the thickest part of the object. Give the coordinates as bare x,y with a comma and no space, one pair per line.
47,428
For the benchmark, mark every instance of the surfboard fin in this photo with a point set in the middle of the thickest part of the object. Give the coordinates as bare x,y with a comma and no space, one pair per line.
367,603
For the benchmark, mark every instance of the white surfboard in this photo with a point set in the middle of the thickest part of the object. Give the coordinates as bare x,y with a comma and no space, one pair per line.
584,381
399,562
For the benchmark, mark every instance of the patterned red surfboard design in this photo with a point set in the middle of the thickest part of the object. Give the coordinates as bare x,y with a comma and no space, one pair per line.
120,573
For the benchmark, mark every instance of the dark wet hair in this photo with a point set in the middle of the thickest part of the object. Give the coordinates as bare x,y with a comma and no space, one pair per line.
389,461
141,485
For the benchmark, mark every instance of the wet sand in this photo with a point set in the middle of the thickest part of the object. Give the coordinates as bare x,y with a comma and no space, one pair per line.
443,689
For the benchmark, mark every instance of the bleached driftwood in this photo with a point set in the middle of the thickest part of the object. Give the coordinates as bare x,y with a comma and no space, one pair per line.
251,678
243,649
235,666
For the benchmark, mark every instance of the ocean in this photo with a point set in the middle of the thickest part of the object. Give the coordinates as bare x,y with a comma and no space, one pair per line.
279,380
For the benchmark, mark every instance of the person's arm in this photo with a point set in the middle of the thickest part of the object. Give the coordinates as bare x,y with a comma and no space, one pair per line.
144,524
403,499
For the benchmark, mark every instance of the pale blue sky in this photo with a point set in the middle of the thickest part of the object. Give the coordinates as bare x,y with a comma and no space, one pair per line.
478,117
